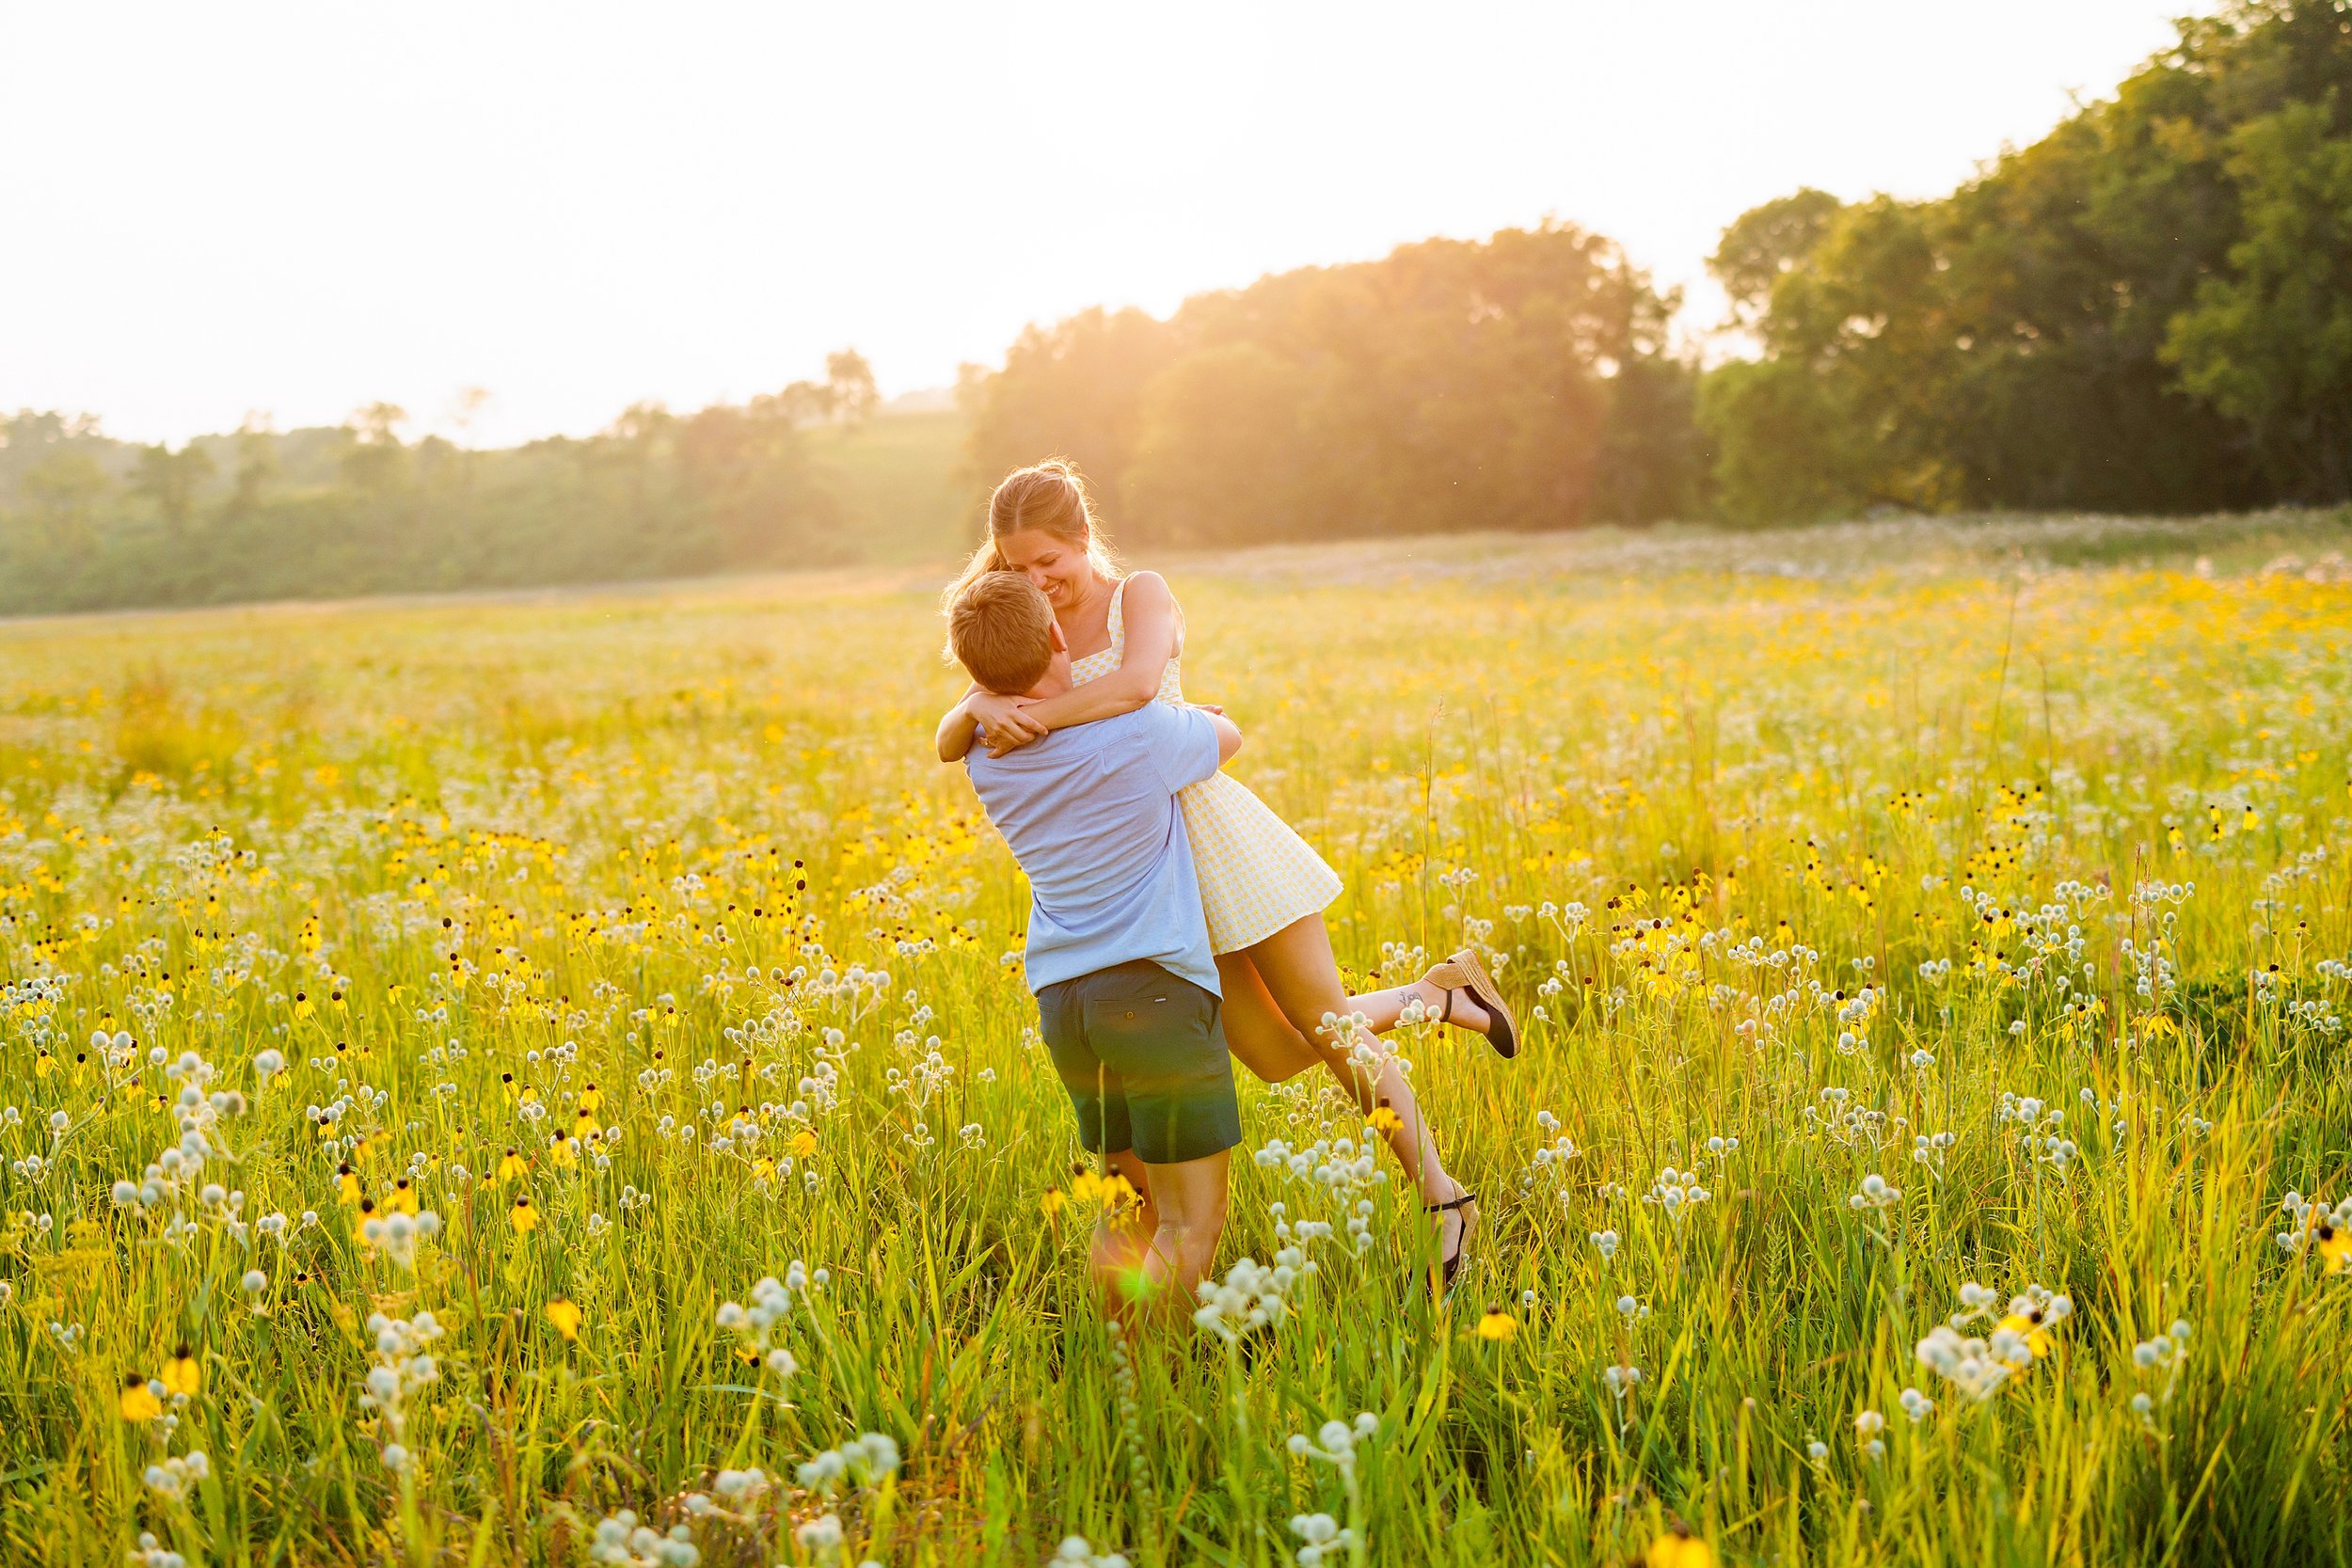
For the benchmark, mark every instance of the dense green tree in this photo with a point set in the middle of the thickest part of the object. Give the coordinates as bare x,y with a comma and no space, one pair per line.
1074,390
257,464
62,492
1766,243
2136,312
1522,381
2270,344
170,478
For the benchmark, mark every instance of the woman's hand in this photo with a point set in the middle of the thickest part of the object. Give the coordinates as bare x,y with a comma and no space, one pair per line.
1002,722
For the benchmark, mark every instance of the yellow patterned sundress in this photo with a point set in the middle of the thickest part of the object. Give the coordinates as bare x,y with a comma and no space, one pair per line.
1256,874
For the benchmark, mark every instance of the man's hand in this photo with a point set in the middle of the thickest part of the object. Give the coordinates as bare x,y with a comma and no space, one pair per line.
1002,722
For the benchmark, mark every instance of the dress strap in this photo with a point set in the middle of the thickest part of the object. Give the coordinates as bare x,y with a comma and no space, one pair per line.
1119,622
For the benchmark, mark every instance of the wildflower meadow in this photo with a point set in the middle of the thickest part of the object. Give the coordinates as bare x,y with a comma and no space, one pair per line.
549,1080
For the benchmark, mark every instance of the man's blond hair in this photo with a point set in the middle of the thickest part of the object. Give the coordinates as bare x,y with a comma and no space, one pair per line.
1002,630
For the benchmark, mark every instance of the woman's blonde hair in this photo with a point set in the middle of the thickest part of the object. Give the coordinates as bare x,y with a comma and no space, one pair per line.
1050,497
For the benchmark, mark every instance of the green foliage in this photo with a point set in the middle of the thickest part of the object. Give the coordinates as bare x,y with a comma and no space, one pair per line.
2271,344
87,522
2144,310
1518,382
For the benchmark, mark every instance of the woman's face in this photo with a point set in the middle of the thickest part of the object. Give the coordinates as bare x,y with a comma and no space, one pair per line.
1060,569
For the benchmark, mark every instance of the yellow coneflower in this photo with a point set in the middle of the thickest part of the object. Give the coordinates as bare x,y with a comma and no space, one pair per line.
183,1374
2031,1327
512,1167
1497,1326
138,1402
560,1149
1051,1200
2333,1243
1384,1120
803,1144
565,1316
584,1125
359,1222
346,1185
523,1217
43,1063
403,1197
1678,1548
590,1097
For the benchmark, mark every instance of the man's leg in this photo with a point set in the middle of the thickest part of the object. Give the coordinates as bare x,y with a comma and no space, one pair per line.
1152,1256
1122,1238
1188,1200
1158,1032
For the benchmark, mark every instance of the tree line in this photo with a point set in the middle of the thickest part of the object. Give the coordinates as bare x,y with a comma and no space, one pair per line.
2148,310
87,521
1523,381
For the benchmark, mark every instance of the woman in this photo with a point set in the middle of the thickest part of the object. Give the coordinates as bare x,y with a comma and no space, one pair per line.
1262,886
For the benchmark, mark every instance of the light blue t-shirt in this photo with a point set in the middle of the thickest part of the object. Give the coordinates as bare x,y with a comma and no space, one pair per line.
1090,813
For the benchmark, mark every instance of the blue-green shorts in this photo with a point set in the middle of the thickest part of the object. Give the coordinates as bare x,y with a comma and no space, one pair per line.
1143,1055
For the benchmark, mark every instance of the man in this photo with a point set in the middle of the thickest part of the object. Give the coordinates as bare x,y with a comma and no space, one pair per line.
1118,947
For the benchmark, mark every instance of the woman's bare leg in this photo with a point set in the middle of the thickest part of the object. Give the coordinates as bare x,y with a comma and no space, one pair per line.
1294,970
1384,1009
1260,1037
1270,1046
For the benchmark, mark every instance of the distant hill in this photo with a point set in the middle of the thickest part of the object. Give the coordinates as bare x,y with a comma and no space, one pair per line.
897,480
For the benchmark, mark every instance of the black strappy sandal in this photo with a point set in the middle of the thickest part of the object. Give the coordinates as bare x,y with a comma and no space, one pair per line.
1453,1263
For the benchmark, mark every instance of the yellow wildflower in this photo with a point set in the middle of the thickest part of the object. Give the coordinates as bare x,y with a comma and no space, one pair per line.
1383,1121
1052,1201
1678,1548
523,1217
2030,1327
403,1197
1497,1326
346,1185
2334,1245
512,1167
590,1097
565,1316
138,1402
803,1144
183,1373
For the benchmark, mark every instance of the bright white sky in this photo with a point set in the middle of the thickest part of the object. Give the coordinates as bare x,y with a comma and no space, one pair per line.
300,208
